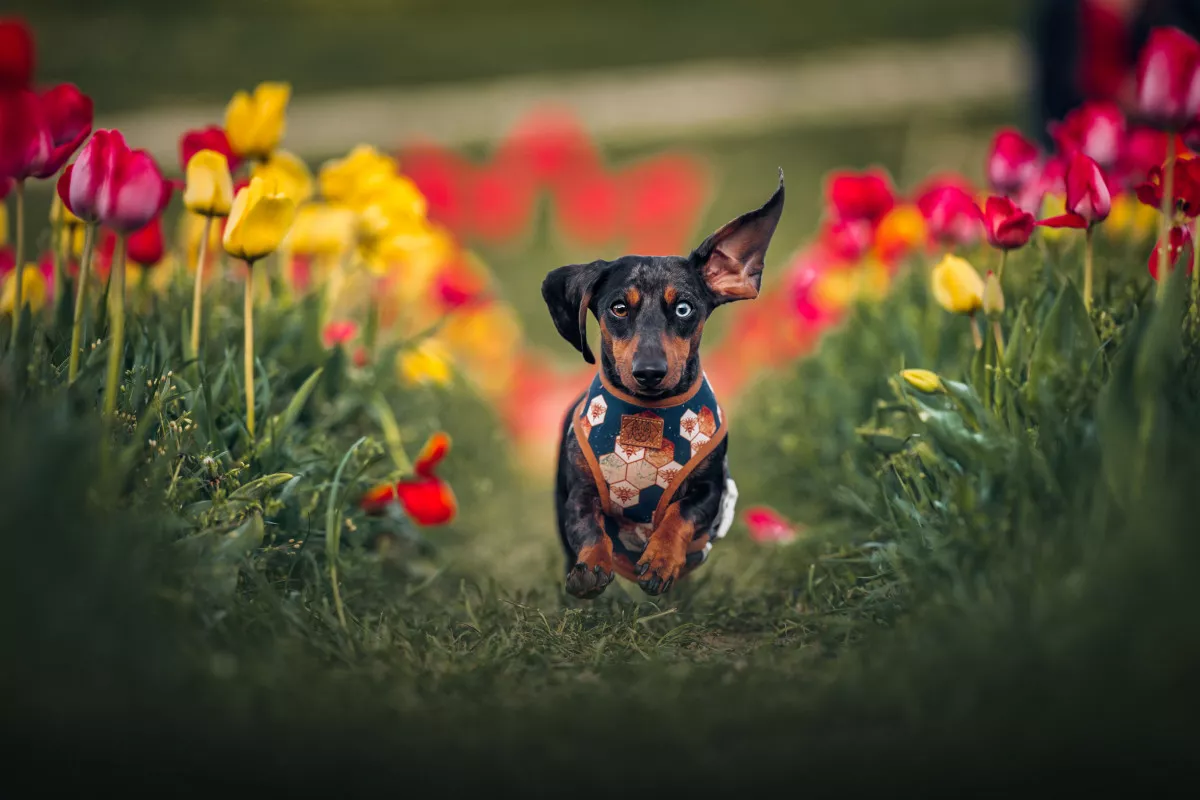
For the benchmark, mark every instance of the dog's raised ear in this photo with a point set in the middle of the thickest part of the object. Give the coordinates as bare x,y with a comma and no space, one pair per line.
568,293
731,260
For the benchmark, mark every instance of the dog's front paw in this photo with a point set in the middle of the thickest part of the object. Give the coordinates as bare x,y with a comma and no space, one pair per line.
593,570
661,563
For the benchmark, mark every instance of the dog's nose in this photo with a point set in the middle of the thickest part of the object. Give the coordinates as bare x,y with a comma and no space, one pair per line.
649,375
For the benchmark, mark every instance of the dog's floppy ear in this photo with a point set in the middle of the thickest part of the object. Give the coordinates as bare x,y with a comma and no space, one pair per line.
568,293
731,260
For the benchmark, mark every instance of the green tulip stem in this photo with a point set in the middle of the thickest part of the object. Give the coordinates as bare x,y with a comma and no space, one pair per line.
116,310
85,266
1087,268
248,312
976,334
1164,223
19,272
1000,271
197,291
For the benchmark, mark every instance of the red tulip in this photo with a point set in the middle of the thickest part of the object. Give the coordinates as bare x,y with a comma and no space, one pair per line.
427,498
211,138
455,287
1185,191
502,201
8,261
859,196
950,211
1167,94
445,179
591,207
338,332
68,116
665,197
1008,227
551,146
1179,240
1095,129
16,54
1089,198
767,525
25,141
1013,162
121,188
145,246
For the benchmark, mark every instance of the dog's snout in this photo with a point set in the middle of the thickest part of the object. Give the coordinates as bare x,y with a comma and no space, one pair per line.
649,374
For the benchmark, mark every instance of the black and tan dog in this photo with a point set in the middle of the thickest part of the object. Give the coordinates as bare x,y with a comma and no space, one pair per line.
643,482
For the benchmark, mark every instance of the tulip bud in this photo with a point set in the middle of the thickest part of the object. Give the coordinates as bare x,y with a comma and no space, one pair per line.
258,222
209,190
1012,162
1008,227
16,54
993,296
957,287
922,380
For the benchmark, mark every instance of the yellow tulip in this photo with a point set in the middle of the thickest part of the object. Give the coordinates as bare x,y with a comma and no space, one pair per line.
957,287
192,229
33,289
901,231
398,196
427,363
348,180
255,123
209,190
1130,218
322,229
59,213
922,380
286,174
257,222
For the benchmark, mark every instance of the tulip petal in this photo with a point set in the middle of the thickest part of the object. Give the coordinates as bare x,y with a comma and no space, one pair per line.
428,501
432,453
377,499
1067,220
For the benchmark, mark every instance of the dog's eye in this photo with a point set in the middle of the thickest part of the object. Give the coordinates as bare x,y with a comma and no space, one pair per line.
683,310
619,309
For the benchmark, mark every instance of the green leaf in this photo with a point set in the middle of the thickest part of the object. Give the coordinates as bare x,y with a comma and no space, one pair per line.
282,423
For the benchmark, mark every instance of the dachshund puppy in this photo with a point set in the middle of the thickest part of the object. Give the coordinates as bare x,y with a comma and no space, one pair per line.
643,486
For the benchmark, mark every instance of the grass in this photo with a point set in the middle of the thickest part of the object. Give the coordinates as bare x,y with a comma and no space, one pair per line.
206,52
998,613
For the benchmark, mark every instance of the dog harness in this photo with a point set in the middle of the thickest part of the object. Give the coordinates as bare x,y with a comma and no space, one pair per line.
640,452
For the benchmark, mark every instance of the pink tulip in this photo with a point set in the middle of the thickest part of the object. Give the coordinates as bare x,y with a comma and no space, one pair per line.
1168,86
1095,129
950,211
853,196
1089,199
1013,162
119,187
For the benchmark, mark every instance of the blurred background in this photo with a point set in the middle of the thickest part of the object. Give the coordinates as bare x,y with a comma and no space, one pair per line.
741,88
547,132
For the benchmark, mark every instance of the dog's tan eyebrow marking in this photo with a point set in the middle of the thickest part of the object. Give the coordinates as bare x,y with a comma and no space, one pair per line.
632,296
670,295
